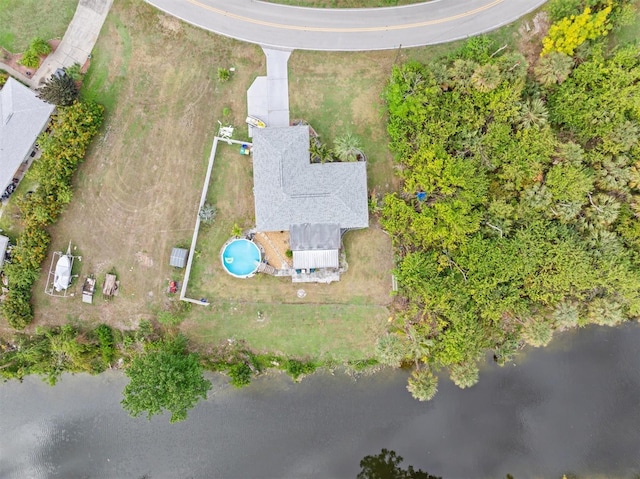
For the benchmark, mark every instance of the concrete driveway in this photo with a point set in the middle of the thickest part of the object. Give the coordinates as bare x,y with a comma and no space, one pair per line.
283,26
268,97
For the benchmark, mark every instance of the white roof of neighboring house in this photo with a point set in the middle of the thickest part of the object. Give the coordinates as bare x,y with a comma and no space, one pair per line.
4,242
23,116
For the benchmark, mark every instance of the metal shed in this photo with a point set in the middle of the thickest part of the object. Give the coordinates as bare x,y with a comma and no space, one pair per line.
179,257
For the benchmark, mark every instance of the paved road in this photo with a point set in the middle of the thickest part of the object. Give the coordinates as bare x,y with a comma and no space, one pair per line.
281,26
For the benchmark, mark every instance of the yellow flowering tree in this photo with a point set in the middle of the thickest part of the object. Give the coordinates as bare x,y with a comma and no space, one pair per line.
569,33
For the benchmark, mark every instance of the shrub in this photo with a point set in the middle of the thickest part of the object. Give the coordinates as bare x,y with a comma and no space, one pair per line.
223,75
74,72
236,231
37,48
60,90
207,214
295,368
391,350
106,342
240,374
537,332
40,46
30,59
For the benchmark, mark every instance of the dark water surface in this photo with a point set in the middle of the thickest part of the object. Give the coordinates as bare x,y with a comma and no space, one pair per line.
573,407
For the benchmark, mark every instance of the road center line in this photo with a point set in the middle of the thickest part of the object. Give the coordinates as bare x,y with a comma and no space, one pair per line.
404,26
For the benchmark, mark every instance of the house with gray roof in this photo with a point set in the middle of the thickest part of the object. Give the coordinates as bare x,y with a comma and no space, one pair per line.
315,202
23,116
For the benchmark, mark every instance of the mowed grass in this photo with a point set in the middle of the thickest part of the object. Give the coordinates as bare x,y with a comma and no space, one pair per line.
314,331
22,20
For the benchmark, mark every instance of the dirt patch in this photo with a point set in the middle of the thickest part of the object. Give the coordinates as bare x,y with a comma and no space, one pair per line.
144,259
531,35
169,25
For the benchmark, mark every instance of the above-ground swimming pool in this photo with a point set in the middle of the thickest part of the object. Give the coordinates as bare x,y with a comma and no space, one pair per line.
241,258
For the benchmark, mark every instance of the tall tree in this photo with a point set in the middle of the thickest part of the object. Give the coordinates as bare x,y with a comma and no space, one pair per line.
59,89
165,377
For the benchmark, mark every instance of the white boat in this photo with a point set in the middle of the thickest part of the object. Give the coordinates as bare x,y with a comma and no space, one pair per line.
62,275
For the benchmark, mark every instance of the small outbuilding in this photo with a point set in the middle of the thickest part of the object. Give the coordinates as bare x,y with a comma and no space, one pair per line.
179,257
315,245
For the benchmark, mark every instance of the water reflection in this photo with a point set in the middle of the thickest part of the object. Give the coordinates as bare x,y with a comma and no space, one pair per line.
388,465
571,408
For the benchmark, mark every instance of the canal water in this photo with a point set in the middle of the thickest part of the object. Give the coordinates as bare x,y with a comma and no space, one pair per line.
573,407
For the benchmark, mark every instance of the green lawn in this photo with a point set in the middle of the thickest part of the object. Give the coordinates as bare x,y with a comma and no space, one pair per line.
22,20
315,331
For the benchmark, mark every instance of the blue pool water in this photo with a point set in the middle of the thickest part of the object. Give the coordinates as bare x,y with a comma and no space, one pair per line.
241,258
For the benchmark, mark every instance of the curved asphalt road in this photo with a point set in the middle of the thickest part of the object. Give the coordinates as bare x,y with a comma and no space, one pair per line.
281,26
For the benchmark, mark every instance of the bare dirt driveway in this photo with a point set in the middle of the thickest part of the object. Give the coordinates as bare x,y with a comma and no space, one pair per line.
284,26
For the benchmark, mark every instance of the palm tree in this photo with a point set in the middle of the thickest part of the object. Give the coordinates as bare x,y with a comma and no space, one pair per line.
537,332
605,312
59,89
533,113
486,77
465,374
423,384
391,350
347,147
554,68
461,72
566,315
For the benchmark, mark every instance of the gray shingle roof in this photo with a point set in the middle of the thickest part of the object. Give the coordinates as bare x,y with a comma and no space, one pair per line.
23,116
289,190
314,237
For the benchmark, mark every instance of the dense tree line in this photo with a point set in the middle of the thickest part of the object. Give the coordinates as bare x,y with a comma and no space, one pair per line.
49,352
63,147
519,209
